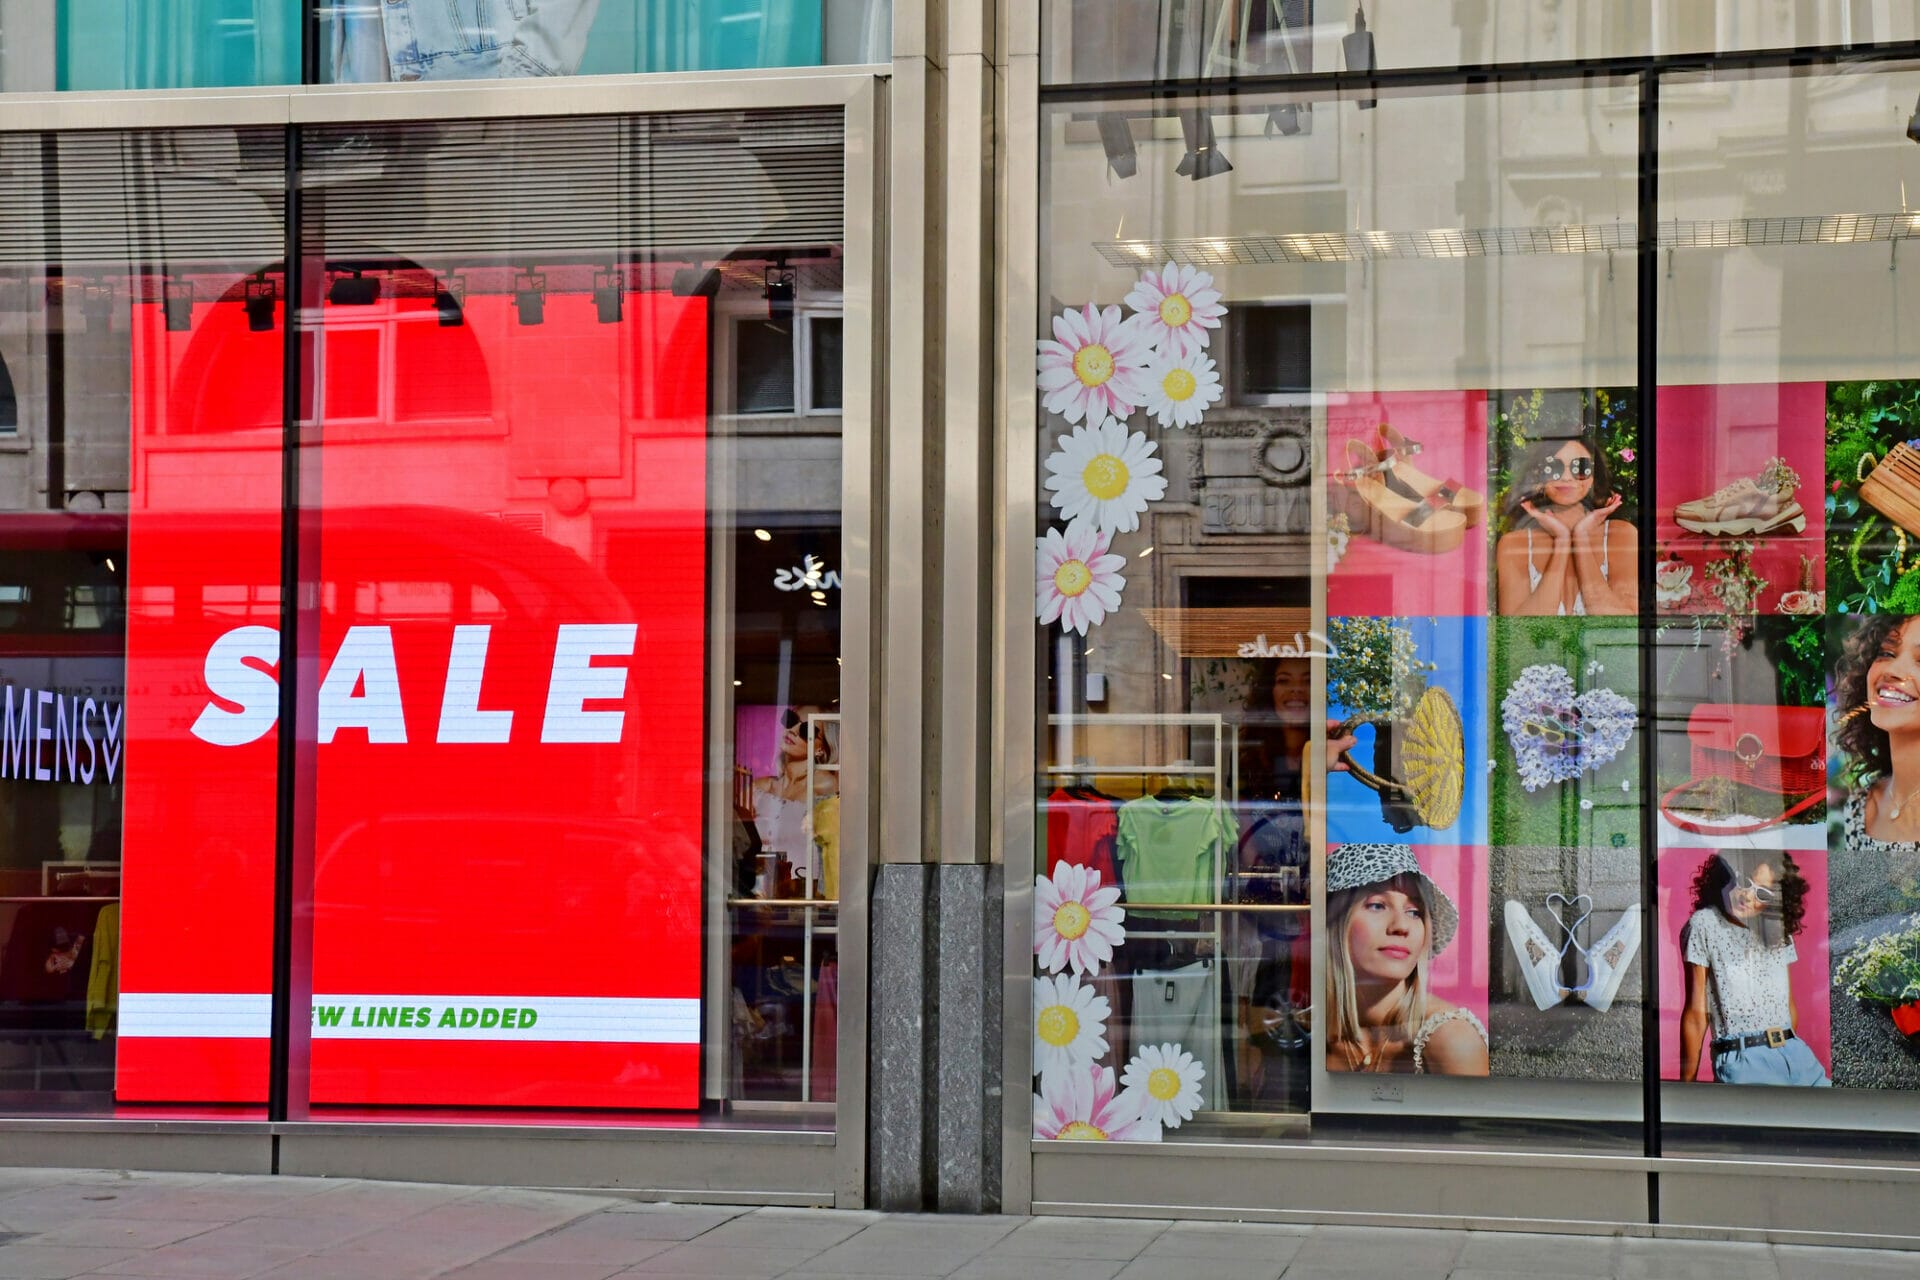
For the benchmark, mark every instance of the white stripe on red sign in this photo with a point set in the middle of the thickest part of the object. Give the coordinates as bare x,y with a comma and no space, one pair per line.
562,1019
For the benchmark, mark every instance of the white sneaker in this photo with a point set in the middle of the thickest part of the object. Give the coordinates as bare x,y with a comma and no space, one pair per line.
1607,960
1539,959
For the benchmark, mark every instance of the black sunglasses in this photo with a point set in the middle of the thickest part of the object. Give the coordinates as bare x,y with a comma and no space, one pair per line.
1579,468
791,719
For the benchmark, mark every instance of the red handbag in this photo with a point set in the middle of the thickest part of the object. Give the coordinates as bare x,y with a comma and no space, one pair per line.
1779,750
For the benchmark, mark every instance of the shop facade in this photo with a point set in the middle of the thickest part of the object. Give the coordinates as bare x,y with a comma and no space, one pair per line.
910,607
1469,616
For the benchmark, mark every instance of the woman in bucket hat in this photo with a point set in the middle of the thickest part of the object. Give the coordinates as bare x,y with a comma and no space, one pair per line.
1386,921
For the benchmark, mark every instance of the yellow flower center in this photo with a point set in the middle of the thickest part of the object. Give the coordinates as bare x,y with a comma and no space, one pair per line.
1093,364
1072,578
1163,1084
1058,1025
1071,920
1175,310
1081,1131
1179,384
1105,477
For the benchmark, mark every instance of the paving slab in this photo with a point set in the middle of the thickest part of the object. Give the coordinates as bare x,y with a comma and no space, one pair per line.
1119,1239
30,1261
1697,1260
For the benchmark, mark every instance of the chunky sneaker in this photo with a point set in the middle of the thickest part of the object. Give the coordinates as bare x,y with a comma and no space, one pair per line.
1749,507
1539,959
1607,960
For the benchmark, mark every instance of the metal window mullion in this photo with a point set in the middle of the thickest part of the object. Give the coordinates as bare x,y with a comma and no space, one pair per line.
1647,377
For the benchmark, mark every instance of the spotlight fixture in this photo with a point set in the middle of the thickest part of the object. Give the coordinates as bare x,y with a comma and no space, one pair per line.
450,300
530,296
259,304
1117,138
354,290
780,278
1357,44
696,282
609,290
177,300
1204,158
1284,119
1913,125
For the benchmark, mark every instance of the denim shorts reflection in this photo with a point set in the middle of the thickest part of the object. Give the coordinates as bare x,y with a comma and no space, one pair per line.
1791,1063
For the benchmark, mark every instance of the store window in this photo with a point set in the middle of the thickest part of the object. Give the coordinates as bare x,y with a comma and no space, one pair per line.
1337,602
112,247
578,721
1788,404
1108,41
148,44
204,44
362,43
566,726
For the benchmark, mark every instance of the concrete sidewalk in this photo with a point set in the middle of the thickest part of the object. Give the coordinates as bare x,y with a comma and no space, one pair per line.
60,1223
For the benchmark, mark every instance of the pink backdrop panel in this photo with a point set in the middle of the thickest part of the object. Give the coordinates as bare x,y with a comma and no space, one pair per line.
1712,436
756,729
1807,977
1375,580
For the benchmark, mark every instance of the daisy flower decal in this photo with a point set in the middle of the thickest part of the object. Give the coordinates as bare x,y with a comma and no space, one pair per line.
1076,923
1177,306
1077,580
1069,1025
1180,389
1106,475
1081,1105
1166,1081
1095,370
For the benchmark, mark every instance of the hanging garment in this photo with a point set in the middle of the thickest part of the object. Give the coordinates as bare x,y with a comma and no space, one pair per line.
1170,849
1182,1007
1082,825
826,834
826,1027
103,979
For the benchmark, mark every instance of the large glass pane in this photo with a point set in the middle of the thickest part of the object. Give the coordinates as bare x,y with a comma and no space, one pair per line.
1337,597
139,534
1789,400
1104,41
577,597
148,44
362,42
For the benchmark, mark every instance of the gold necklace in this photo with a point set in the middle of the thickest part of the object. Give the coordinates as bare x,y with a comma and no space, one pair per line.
1902,802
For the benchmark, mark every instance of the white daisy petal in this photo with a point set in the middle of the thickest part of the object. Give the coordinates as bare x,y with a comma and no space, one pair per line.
1165,1081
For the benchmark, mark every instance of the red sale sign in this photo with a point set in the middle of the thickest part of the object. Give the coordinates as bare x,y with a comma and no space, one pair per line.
508,697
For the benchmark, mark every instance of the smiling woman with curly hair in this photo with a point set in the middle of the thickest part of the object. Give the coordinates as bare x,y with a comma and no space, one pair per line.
1877,684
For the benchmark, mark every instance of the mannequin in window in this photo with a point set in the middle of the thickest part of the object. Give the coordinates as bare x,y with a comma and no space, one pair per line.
783,806
379,40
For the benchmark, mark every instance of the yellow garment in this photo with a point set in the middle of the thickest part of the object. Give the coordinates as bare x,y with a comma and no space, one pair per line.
103,980
826,834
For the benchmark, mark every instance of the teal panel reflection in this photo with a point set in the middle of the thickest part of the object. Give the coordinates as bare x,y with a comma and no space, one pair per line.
704,35
177,44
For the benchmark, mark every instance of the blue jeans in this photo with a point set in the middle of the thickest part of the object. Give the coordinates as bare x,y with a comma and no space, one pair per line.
376,40
1791,1063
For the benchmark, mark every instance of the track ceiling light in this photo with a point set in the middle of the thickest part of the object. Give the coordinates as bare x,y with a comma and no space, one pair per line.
1204,159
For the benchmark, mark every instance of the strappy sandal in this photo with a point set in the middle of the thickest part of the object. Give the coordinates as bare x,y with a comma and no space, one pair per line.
1392,513
1400,451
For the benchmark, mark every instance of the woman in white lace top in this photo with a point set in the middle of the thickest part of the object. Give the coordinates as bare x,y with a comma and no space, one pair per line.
1386,921
1747,906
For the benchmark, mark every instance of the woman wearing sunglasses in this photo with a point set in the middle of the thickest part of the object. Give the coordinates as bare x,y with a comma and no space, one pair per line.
1563,552
1747,906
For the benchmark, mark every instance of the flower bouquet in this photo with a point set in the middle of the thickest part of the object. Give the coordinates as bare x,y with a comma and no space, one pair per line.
1419,758
1885,970
1556,734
